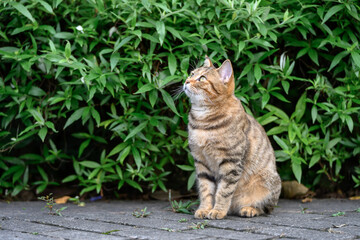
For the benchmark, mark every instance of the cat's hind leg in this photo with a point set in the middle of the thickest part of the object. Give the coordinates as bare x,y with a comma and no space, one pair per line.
254,197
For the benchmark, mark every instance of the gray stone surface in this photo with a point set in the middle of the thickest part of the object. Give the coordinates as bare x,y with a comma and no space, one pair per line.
114,220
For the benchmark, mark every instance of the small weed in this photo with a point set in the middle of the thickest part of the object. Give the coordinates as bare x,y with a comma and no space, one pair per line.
358,210
183,220
182,207
338,214
199,225
35,233
76,200
109,232
50,203
143,213
303,210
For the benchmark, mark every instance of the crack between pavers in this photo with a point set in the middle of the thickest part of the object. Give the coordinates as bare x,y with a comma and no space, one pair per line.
251,231
64,227
186,230
280,225
38,234
291,226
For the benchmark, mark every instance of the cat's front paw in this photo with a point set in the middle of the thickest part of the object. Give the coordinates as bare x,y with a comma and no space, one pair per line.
216,214
249,212
201,213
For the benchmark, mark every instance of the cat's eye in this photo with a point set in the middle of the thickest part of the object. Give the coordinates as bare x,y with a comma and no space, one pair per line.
191,74
202,78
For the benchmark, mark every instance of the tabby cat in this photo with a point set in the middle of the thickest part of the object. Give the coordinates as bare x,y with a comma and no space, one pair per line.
234,159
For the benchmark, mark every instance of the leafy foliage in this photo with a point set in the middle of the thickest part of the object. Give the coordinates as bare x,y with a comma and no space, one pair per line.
85,87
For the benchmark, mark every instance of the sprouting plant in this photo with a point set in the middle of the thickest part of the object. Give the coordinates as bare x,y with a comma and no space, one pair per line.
199,225
142,213
183,220
303,210
76,200
182,207
358,210
338,214
109,232
50,203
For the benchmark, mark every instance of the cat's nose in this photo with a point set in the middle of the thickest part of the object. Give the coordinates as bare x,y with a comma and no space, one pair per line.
187,81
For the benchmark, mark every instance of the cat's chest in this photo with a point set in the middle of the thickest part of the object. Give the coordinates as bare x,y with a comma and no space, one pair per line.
199,138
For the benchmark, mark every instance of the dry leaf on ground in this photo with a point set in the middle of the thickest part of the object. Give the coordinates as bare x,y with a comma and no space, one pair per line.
62,200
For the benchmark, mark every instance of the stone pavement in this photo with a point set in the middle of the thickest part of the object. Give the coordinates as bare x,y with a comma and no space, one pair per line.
114,220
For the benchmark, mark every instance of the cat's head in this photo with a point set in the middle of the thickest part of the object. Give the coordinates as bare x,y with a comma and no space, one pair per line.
209,85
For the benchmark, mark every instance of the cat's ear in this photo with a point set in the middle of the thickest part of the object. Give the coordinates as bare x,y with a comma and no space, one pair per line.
225,71
207,62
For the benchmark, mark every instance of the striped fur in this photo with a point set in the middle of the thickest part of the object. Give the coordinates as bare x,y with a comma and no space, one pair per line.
234,159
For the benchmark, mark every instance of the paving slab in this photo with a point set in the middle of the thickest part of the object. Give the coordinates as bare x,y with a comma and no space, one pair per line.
114,220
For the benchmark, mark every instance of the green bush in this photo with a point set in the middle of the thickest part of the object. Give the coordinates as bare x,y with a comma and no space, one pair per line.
86,88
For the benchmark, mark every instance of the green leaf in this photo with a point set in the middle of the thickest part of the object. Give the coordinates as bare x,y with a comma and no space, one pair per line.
300,108
296,168
46,6
240,47
169,101
146,4
117,149
145,88
114,59
314,113
278,112
356,58
160,28
153,97
82,147
281,143
43,174
64,35
133,184
17,189
332,11
279,96
265,99
337,59
42,133
333,143
172,64
191,180
349,122
119,44
313,56
69,178
286,86
74,117
136,130
95,114
174,32
90,164
257,73
124,154
137,157
36,91
23,10
186,167
68,50
314,159
37,116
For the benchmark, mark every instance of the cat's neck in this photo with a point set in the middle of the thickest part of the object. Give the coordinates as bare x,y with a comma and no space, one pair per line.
203,110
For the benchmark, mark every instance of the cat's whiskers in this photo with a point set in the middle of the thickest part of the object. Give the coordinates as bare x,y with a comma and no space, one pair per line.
178,92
